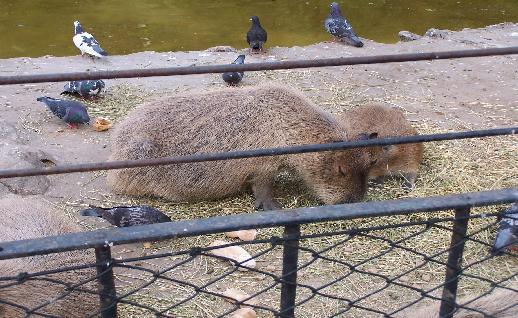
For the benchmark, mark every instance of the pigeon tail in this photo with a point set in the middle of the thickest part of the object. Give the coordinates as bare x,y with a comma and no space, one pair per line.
352,39
92,211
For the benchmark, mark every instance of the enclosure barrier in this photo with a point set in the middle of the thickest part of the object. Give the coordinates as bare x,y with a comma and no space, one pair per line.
189,70
292,262
298,250
240,154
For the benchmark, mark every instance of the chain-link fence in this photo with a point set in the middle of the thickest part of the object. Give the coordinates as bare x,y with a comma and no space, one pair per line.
355,260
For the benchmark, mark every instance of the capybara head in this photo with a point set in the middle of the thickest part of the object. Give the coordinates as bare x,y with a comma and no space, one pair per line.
344,173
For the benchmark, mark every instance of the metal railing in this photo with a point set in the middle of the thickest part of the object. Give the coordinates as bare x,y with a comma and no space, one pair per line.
291,242
295,292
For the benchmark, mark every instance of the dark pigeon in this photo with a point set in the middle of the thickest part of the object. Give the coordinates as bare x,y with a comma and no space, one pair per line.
256,36
71,112
339,28
507,235
86,42
124,216
233,78
87,89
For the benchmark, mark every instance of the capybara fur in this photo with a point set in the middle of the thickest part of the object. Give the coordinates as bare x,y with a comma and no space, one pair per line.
501,303
22,219
395,160
235,119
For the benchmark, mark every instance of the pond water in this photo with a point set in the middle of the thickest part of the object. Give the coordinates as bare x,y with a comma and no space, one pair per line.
36,28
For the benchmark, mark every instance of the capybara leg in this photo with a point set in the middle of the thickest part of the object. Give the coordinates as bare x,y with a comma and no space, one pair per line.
263,192
379,181
409,178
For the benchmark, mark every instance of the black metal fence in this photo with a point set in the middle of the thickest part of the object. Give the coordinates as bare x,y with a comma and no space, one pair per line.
331,253
353,260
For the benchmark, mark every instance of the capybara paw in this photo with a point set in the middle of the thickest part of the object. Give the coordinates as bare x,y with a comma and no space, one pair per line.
266,205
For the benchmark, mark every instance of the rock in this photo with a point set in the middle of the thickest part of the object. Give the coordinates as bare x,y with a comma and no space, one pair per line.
236,253
236,295
436,33
19,158
221,48
245,235
407,36
244,313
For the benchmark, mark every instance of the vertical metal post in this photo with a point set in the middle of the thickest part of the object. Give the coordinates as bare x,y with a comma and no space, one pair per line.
290,258
106,283
453,267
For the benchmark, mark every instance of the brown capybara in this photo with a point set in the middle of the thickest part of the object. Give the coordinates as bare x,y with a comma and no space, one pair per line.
235,119
501,303
395,160
22,219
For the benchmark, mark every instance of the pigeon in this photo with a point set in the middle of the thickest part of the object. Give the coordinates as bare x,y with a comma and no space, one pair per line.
70,111
86,42
124,216
339,28
256,36
232,78
507,235
87,89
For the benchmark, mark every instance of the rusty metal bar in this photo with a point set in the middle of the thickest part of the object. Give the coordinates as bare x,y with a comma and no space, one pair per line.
239,154
453,267
290,257
188,70
106,282
258,220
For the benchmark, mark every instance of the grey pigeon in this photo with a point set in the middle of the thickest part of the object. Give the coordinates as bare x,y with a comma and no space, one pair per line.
71,112
256,36
339,28
232,78
507,235
124,216
86,42
87,89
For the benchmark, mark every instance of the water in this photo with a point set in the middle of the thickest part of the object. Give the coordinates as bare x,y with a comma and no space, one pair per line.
36,28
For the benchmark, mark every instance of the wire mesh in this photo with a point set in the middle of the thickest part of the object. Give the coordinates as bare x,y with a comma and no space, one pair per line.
387,270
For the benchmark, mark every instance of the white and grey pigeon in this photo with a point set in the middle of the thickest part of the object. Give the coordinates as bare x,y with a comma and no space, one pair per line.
233,78
71,112
507,235
86,42
124,216
87,89
339,28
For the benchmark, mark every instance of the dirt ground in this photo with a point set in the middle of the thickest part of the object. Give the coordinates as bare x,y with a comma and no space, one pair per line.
461,94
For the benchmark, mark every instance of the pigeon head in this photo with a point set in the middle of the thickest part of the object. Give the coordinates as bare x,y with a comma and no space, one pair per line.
77,27
255,20
335,8
240,59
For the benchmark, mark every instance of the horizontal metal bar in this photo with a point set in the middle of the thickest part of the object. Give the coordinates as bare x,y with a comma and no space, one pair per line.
239,154
188,70
219,224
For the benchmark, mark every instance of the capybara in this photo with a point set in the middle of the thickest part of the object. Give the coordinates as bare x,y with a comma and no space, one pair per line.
501,303
395,160
22,219
235,119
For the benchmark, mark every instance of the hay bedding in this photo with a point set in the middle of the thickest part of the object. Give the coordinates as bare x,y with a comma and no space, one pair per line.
448,167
